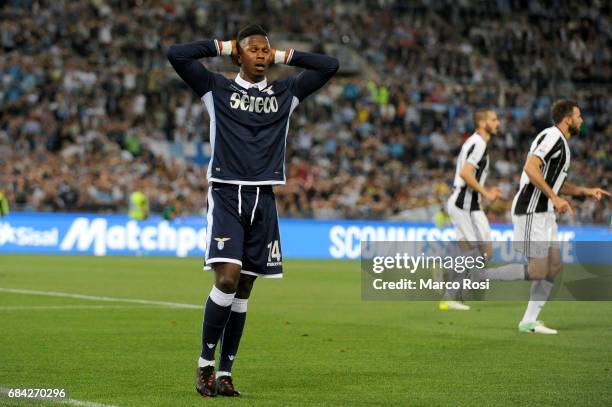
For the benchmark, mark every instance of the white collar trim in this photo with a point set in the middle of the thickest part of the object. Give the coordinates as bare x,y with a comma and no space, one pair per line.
247,85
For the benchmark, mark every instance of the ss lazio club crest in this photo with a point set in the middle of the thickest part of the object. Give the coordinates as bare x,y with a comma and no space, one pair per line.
221,242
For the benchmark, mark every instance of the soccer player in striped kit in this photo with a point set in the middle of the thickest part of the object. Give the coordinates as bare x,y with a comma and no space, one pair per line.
533,212
464,205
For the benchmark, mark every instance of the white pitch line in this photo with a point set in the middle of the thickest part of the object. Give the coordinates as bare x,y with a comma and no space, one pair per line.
100,298
82,403
72,402
46,307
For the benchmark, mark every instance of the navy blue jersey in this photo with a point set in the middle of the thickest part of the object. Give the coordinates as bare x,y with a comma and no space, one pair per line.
248,121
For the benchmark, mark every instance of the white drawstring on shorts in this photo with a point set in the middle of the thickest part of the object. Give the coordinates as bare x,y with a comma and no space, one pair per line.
255,206
239,200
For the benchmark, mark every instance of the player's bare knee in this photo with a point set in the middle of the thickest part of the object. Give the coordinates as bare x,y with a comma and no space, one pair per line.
227,276
554,263
226,284
245,285
537,268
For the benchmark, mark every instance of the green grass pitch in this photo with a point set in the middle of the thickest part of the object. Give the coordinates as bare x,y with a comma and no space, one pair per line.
309,340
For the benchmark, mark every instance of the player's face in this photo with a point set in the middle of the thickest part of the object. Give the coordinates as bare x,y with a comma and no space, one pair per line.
575,122
255,56
492,123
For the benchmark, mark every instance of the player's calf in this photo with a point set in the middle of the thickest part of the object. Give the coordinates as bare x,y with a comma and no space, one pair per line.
554,264
537,268
216,314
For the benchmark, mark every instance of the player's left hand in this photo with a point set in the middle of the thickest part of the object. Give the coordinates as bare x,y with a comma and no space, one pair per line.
596,193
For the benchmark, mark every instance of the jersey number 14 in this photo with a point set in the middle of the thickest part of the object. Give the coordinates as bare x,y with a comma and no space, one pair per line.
274,251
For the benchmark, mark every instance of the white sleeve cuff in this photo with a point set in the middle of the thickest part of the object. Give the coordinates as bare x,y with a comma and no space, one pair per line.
283,57
226,48
279,57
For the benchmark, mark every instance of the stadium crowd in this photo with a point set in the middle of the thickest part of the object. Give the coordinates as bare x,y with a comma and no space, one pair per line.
86,92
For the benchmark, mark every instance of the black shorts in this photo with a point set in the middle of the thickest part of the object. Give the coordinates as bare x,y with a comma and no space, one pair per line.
243,229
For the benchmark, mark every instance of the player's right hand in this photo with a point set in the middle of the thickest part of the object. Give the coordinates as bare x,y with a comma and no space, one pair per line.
596,193
492,194
562,206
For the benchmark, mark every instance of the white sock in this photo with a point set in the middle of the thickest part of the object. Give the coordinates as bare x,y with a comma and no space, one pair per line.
540,291
240,304
220,298
219,374
507,272
203,362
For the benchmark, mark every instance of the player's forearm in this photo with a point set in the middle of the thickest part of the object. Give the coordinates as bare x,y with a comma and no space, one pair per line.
470,180
571,189
324,64
535,176
190,51
318,70
184,58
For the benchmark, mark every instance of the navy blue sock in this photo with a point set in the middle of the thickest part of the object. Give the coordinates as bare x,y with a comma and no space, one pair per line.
232,335
216,314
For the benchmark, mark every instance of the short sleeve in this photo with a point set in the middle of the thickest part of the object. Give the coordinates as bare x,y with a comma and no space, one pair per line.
476,152
547,144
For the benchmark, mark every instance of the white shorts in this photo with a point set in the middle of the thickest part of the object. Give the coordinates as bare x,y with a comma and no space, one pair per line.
535,233
472,226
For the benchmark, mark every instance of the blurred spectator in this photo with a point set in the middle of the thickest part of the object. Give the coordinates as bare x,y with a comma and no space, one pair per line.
139,206
442,218
88,109
4,206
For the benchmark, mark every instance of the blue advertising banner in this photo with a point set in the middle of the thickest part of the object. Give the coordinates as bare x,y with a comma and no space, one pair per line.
102,235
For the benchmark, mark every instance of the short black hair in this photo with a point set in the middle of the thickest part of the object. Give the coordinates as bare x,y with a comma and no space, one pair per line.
251,29
561,109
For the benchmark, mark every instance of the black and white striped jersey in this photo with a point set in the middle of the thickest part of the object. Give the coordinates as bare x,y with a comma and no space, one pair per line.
550,145
473,151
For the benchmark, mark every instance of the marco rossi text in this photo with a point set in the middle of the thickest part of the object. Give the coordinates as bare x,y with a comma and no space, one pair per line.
426,266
